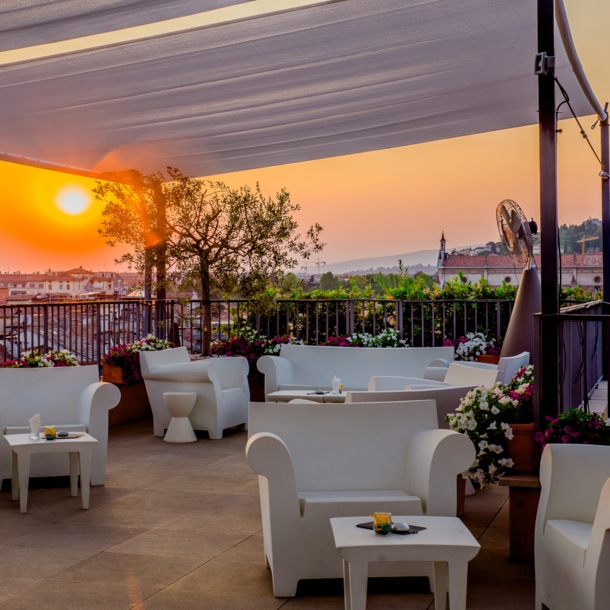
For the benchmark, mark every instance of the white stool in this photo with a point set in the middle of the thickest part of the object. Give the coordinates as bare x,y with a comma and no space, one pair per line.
180,405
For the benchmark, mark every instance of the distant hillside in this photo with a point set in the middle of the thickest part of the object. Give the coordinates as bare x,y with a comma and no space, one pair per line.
409,259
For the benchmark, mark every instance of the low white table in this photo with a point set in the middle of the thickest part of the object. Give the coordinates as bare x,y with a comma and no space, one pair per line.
288,395
79,450
446,542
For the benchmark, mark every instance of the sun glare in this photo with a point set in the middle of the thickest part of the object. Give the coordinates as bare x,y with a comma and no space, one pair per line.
73,199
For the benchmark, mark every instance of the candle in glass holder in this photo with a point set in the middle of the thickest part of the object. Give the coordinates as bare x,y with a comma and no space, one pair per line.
382,523
50,433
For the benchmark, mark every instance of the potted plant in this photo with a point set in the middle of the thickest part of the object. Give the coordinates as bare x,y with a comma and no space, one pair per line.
36,359
575,427
476,346
489,418
121,366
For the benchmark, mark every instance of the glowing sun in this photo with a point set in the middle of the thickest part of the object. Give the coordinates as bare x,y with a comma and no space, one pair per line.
73,199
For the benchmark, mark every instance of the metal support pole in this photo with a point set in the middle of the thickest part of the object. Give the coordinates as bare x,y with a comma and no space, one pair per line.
605,145
548,366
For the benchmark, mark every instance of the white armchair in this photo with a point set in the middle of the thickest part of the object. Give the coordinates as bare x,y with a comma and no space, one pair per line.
221,385
458,375
71,398
317,461
572,544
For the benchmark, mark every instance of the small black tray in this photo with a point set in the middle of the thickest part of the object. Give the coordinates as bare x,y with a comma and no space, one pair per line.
414,528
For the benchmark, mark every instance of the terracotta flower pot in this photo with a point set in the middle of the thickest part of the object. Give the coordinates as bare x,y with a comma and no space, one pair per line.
112,374
522,448
256,382
134,403
488,359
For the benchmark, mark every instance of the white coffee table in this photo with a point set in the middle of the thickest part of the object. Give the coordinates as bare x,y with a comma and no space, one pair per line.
79,450
288,395
446,542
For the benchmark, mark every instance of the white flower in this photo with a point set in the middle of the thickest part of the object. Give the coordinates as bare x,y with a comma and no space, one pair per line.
509,434
492,426
495,410
483,445
492,468
495,448
472,424
484,405
506,462
504,400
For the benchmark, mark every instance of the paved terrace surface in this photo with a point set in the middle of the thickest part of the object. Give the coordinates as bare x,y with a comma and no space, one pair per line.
178,527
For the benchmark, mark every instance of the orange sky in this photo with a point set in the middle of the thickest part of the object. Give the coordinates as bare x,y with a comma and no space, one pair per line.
372,204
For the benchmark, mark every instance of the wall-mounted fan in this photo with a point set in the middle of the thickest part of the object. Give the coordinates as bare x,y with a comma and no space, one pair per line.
516,233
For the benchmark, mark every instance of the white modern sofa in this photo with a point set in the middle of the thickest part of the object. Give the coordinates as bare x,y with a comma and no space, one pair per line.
221,385
318,461
507,367
312,367
572,539
71,398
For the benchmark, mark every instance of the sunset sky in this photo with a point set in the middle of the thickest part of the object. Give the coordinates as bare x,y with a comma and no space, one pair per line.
372,204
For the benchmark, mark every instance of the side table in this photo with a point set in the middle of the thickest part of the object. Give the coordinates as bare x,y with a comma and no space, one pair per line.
446,542
524,495
79,450
180,406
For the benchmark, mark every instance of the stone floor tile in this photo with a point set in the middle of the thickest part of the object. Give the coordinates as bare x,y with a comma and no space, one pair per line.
182,600
315,603
125,516
250,549
213,577
10,586
250,489
234,503
200,521
502,518
165,499
216,483
67,596
168,543
78,537
495,538
501,594
129,570
493,564
36,563
130,480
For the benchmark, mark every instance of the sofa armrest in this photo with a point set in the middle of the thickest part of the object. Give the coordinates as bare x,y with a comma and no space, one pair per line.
440,363
393,384
434,459
95,401
269,457
188,372
277,371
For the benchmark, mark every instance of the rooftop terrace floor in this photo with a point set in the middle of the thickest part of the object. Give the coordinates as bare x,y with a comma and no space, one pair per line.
179,527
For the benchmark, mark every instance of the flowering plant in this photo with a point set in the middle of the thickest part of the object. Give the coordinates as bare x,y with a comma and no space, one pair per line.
387,338
521,389
251,345
482,416
473,345
576,427
127,356
36,359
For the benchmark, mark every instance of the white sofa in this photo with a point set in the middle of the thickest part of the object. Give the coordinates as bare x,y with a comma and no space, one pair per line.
318,461
572,540
507,367
457,375
221,385
312,367
71,398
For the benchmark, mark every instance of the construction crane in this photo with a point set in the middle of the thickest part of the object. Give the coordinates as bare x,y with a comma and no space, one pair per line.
586,239
317,264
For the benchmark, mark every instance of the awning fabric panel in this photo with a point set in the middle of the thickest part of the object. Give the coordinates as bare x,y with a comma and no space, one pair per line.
336,79
25,23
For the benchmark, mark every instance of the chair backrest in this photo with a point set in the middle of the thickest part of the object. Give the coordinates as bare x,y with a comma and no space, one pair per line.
337,447
51,392
511,364
573,477
317,365
151,359
462,375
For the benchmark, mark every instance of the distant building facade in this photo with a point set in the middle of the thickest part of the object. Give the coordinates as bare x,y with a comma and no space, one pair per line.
584,270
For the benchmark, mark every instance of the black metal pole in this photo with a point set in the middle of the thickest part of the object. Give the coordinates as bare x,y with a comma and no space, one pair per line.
605,146
547,402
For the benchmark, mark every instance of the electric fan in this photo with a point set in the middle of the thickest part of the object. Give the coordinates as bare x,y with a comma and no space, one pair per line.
516,234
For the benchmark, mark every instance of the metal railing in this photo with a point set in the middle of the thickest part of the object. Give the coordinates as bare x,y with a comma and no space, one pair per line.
89,329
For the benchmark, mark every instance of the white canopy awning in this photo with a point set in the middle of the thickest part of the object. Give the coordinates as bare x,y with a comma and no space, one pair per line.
341,78
25,23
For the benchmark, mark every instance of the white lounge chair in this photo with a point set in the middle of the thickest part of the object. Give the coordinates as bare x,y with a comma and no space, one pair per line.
221,385
573,528
457,375
70,398
318,461
507,366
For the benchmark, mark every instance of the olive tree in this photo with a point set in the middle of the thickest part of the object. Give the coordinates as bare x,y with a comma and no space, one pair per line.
233,240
